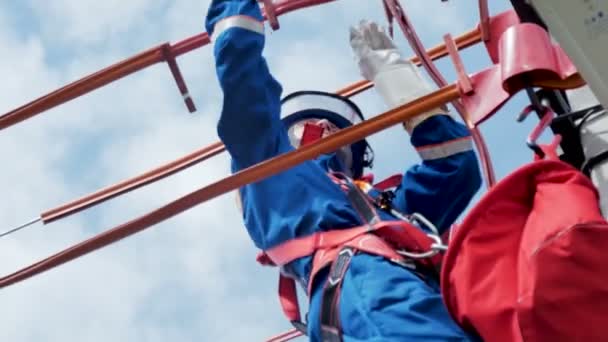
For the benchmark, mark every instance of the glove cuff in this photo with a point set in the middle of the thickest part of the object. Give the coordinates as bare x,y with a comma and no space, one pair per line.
411,124
401,83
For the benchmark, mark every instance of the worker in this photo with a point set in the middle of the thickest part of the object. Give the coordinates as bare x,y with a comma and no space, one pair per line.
379,299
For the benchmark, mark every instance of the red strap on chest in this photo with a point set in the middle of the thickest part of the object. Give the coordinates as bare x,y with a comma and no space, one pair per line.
383,238
390,182
399,234
312,132
367,243
390,236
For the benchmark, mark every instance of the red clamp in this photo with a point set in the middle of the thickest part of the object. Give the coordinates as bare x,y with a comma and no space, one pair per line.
464,82
484,20
270,14
169,57
541,151
390,18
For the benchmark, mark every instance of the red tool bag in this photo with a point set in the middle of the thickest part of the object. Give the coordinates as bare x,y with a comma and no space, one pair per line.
530,261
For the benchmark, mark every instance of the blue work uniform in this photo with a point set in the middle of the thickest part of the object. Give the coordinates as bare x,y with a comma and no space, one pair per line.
380,301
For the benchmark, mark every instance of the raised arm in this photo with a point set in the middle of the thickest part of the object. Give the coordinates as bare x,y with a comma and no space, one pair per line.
249,125
441,186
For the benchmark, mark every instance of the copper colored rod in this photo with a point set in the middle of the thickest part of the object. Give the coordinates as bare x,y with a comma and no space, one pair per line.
484,19
81,87
463,41
125,68
252,174
123,187
410,34
155,55
286,336
133,183
180,164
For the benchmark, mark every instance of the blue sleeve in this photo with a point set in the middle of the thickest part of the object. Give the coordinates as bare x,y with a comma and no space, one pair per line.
440,188
249,125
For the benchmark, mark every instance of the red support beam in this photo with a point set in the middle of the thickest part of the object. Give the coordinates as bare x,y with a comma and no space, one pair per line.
187,161
128,67
254,173
196,157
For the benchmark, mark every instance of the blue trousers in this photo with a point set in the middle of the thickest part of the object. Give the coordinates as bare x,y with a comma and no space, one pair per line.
382,301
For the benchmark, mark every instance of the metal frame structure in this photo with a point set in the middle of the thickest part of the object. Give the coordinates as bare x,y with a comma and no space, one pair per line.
455,93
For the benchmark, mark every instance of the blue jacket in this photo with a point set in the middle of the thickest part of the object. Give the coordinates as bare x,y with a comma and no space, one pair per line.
303,200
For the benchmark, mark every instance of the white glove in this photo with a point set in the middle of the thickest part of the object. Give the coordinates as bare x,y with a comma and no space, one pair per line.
396,79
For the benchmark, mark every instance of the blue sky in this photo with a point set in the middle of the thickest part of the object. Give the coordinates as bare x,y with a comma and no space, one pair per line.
193,277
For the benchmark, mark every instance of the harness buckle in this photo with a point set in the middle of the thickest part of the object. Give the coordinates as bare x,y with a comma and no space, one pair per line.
300,326
385,200
436,247
339,266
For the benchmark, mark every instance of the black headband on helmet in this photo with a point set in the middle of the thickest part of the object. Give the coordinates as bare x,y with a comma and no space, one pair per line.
340,111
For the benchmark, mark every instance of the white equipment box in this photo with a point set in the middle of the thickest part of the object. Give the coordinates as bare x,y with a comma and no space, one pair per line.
581,29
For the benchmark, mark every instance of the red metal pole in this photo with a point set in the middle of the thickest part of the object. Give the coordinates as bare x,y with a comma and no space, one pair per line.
252,174
286,336
484,20
410,34
127,67
82,86
133,183
184,162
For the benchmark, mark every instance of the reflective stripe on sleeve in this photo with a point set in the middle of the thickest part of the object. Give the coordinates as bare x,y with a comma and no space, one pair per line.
445,149
240,21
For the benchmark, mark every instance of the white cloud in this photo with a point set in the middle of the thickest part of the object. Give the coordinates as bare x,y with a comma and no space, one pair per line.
88,22
192,277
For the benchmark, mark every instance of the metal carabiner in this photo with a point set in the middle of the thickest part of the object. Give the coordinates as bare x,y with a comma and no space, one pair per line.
545,121
421,219
436,247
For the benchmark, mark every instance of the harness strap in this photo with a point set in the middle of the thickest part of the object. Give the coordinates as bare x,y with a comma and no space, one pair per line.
327,253
594,161
368,243
400,233
331,329
390,182
396,241
288,296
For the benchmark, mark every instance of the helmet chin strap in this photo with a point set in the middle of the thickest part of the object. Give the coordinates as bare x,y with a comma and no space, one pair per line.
326,128
312,132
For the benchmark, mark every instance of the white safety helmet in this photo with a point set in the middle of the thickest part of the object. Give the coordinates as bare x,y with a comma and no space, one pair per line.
311,115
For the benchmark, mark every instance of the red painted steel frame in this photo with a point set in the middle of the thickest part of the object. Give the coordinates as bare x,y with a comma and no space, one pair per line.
196,157
408,30
254,173
164,52
168,53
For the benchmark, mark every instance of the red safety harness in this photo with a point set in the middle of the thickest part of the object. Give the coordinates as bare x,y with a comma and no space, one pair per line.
399,241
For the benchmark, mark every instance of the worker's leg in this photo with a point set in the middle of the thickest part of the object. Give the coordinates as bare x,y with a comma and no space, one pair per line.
382,301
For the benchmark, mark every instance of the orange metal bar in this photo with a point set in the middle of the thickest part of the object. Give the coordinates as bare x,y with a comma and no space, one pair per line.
466,86
252,174
463,41
286,336
127,67
82,86
133,183
177,76
156,55
182,163
484,19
